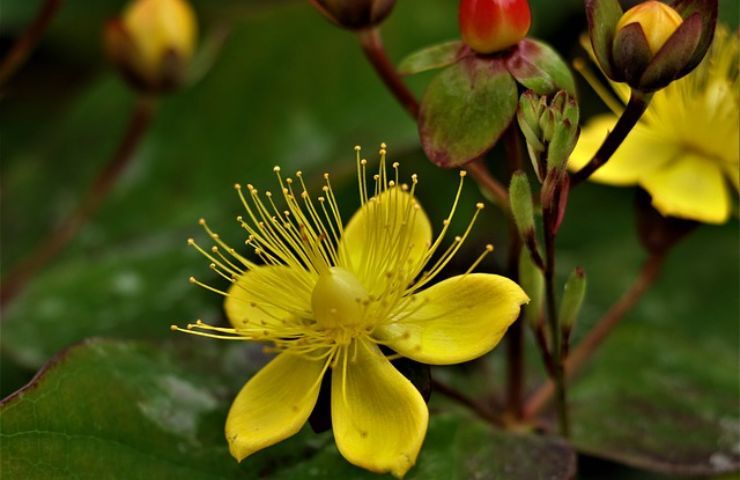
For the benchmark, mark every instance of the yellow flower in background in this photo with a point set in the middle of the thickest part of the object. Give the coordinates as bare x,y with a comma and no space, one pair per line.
153,42
685,151
327,296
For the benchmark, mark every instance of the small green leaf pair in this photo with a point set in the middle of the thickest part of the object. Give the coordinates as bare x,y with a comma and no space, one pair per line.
468,105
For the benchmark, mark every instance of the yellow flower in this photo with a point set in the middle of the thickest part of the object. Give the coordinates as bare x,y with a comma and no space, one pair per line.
684,150
327,296
153,42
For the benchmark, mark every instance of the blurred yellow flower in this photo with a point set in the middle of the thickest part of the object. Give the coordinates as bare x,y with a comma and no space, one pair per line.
153,42
328,295
685,151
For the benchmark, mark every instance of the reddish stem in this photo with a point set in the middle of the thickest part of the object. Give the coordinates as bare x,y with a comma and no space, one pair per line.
372,45
25,44
585,350
15,280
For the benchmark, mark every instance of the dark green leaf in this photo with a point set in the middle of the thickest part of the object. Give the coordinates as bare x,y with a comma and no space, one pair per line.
124,410
465,109
457,448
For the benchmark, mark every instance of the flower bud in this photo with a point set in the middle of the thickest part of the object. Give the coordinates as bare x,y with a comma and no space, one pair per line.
652,44
489,26
575,291
520,197
152,43
657,20
533,283
355,14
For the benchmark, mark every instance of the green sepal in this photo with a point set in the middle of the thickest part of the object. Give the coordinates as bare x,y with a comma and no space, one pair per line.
603,16
538,67
433,57
573,295
671,60
533,283
522,209
465,109
708,10
631,53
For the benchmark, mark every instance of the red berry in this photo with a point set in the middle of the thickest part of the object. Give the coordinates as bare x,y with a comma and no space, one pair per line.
489,26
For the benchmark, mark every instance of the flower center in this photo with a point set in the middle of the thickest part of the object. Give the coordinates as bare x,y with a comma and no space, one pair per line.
337,299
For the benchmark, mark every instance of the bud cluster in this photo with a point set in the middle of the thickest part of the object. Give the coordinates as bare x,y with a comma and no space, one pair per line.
550,126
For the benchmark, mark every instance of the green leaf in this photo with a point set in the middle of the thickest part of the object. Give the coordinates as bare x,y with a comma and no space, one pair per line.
670,408
458,448
538,67
603,16
430,58
123,410
465,109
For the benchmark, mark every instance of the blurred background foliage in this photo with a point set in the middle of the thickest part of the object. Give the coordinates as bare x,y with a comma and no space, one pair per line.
289,89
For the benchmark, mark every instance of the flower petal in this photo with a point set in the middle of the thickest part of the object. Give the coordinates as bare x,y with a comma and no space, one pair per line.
378,416
641,153
265,294
273,405
456,320
390,233
691,187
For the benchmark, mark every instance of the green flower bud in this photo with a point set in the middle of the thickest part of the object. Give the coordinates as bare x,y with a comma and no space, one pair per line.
573,295
520,197
533,283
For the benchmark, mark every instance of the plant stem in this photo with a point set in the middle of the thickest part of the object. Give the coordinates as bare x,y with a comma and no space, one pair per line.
14,282
515,334
478,408
372,46
25,44
636,106
558,376
585,350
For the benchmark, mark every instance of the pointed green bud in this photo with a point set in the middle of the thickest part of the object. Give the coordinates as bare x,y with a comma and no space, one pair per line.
575,291
520,196
533,283
528,115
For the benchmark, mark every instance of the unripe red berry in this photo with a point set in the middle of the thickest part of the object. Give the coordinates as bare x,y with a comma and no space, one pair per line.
489,26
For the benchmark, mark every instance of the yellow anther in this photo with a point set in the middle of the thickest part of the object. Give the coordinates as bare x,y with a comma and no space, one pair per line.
479,206
276,169
463,173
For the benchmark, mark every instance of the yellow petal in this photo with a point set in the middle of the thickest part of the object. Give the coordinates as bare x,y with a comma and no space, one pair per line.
641,153
265,294
390,233
456,320
273,405
691,187
378,416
